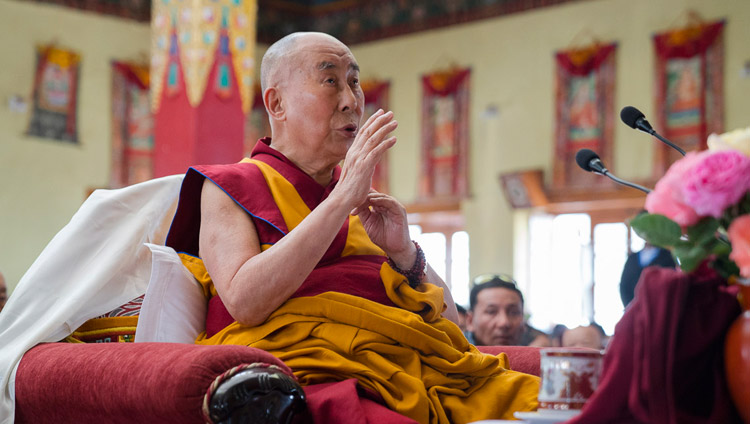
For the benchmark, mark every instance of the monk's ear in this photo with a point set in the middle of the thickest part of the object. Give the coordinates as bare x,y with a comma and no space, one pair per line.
274,104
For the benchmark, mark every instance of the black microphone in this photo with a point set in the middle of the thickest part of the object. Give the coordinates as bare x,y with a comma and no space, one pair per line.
635,119
589,161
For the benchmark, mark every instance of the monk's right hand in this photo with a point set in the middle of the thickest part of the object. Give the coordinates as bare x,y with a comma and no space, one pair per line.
363,155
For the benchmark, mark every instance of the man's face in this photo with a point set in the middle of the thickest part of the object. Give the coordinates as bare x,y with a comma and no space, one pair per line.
497,318
322,97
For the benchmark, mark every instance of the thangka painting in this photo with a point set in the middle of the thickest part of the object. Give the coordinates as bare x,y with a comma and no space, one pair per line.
445,135
132,125
376,97
55,95
584,110
257,125
689,88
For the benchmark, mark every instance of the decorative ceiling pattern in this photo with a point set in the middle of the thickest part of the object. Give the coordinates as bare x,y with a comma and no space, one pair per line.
139,10
360,21
352,21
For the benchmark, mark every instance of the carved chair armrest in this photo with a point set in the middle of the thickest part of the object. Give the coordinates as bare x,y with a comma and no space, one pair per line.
130,382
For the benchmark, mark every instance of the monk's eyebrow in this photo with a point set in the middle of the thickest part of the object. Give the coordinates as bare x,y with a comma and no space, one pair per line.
322,66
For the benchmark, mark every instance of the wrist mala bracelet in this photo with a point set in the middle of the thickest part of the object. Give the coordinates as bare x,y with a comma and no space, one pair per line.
417,271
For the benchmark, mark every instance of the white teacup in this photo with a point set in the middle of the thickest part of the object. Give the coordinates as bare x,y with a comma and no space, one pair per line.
569,377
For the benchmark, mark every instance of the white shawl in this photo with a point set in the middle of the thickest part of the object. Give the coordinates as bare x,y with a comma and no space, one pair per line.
96,263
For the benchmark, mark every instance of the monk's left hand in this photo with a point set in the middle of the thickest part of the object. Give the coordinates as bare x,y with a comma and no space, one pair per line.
384,219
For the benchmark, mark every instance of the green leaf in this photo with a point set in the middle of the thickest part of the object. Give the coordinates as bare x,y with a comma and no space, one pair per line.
704,231
690,256
657,229
725,267
721,249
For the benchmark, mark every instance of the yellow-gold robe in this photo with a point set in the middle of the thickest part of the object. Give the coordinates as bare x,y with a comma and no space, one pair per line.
420,363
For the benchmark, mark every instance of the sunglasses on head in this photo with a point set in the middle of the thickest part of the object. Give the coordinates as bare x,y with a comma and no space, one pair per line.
486,278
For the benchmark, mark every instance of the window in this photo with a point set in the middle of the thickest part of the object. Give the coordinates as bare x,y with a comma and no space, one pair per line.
610,253
448,255
559,271
574,269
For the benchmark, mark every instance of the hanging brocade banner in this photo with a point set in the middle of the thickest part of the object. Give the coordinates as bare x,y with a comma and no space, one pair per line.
584,110
257,125
55,95
689,68
445,135
201,33
132,125
376,97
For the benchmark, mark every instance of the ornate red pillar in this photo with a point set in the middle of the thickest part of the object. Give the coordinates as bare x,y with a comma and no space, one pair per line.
202,67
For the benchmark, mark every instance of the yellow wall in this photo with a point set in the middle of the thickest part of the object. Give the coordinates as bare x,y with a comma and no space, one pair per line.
43,181
512,69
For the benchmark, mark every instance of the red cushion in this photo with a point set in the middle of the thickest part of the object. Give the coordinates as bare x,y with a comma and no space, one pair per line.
123,382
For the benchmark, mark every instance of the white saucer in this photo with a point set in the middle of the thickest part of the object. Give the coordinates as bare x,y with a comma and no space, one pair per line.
544,416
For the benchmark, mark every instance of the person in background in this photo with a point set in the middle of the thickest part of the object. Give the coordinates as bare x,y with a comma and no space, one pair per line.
461,317
591,336
556,335
3,292
648,256
496,314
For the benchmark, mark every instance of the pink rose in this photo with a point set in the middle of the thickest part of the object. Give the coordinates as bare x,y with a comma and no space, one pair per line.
667,197
717,181
739,235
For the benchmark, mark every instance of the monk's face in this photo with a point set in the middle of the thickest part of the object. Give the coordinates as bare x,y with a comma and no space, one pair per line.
322,97
497,318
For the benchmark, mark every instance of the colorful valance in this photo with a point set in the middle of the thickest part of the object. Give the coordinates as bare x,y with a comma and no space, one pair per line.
190,40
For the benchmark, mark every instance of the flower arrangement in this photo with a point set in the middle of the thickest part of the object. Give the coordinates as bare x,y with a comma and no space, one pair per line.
700,209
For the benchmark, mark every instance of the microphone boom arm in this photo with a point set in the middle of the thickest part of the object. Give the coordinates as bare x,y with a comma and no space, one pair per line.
626,183
665,141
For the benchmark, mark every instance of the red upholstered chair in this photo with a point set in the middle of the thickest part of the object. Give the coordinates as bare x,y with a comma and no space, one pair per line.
101,254
161,382
147,383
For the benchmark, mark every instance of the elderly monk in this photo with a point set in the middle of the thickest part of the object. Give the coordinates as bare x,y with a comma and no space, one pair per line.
300,257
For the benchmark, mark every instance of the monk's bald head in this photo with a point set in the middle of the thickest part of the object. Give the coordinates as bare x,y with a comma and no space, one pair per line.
277,56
